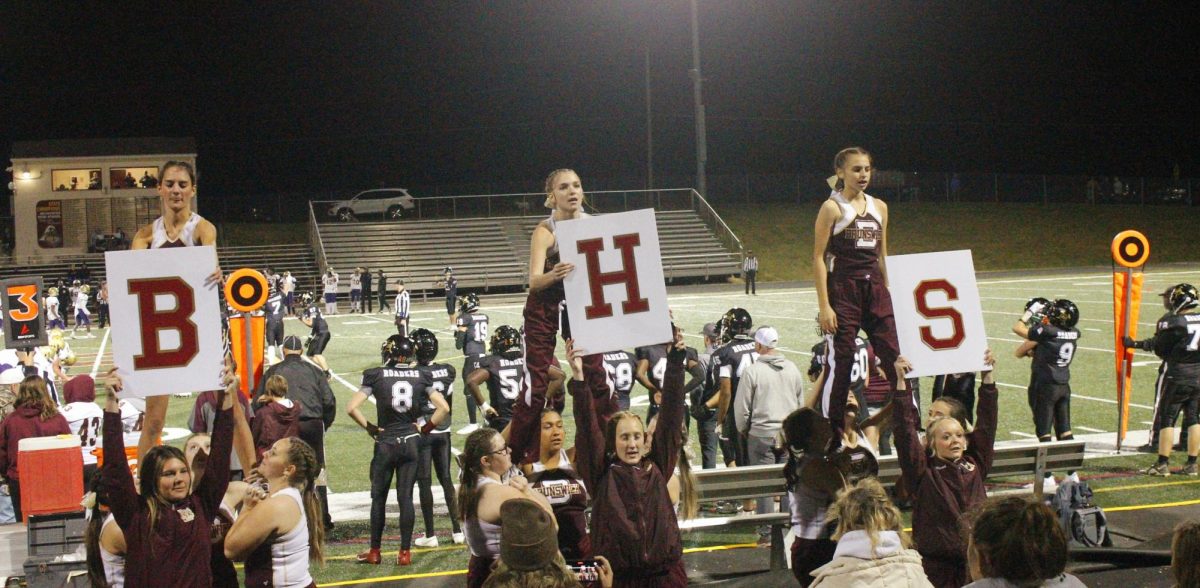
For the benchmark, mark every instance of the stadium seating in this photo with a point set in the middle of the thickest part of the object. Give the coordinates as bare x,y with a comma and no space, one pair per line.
494,252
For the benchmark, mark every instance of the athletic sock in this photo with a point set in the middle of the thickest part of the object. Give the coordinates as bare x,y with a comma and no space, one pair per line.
1162,460
1191,460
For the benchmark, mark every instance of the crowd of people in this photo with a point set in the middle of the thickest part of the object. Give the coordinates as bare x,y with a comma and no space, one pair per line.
249,484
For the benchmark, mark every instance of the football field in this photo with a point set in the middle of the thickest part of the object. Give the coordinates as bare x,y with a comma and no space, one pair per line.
791,310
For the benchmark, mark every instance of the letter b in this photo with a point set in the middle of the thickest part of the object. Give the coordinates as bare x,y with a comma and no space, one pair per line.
152,321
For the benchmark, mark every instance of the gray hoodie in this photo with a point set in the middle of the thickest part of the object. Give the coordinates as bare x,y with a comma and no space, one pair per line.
769,390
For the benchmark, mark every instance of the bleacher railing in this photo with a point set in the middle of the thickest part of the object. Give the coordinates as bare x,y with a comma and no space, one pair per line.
532,204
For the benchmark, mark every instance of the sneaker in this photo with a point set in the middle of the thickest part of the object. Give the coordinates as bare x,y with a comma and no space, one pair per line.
726,507
370,556
459,538
467,430
430,541
1189,470
404,557
1158,469
1050,485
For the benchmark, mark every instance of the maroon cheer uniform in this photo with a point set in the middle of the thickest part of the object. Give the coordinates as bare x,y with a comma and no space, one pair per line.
568,496
859,299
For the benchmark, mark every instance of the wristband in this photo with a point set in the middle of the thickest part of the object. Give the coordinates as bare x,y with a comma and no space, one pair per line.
485,407
1025,317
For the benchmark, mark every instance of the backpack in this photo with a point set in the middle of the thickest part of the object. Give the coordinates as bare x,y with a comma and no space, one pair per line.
1083,522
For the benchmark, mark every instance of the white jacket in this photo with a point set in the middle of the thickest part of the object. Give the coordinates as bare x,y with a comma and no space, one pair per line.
855,565
769,390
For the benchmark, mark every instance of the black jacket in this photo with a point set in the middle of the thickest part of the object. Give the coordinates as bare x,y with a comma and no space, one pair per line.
307,386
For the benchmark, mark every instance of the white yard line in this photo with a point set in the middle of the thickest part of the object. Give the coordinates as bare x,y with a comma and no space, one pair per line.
1089,429
100,354
1023,434
1081,396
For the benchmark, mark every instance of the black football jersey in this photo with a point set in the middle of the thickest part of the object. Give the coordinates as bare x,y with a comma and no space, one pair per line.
506,374
476,336
621,367
731,359
1177,342
399,397
273,309
656,356
438,377
318,321
1054,352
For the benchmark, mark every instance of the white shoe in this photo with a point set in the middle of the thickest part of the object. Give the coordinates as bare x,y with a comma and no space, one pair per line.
426,542
459,539
467,430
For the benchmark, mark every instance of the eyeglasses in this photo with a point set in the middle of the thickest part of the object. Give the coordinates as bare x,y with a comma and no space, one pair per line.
505,449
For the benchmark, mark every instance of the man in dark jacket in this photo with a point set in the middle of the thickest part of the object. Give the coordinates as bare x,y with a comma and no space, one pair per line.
308,387
366,289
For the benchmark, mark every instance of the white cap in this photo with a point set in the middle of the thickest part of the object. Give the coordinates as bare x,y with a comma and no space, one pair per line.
767,337
12,376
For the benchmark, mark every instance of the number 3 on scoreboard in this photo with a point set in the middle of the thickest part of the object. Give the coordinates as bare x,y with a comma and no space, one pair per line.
26,295
920,296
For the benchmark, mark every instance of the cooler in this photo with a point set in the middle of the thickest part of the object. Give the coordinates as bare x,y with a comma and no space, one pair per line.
51,474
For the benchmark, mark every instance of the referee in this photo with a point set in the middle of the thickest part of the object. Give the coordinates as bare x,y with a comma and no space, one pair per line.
750,273
308,387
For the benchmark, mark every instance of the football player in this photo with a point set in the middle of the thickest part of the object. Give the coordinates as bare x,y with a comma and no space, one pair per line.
504,371
83,318
273,313
1177,341
1051,342
400,399
54,319
356,291
621,367
330,283
728,363
318,338
652,366
435,447
470,335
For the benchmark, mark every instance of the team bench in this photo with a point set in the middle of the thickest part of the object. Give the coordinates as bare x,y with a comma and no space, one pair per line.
743,483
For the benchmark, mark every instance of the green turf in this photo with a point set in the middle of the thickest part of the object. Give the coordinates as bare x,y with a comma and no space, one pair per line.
1009,236
356,340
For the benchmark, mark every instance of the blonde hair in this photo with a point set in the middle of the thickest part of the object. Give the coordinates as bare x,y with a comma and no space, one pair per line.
933,424
839,161
865,507
549,188
553,575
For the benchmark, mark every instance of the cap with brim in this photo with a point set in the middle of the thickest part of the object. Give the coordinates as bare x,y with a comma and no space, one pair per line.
709,330
292,343
767,337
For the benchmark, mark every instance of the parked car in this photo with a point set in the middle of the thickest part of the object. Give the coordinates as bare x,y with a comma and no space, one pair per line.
388,202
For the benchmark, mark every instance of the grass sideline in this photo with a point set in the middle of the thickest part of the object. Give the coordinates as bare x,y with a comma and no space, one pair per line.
1002,236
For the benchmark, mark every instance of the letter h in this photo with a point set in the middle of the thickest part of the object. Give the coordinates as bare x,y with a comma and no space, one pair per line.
597,280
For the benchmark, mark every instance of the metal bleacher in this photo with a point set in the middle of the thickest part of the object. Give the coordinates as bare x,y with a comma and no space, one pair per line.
489,251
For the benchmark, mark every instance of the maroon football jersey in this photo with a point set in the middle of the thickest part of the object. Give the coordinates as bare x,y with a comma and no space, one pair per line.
856,241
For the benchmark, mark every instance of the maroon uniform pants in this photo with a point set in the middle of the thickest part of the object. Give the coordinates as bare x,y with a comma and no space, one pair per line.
543,311
859,302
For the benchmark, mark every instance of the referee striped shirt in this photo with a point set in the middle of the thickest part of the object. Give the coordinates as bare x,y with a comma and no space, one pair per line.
750,265
402,303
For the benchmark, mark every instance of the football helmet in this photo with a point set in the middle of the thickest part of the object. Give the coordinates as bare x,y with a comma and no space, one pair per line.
1182,297
306,298
396,347
505,339
468,302
1045,304
1063,313
426,343
86,289
737,321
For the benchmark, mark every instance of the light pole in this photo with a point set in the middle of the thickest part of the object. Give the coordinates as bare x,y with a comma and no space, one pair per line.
649,127
697,92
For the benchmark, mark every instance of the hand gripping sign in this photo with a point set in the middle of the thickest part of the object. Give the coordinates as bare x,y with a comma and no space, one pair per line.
166,320
939,320
616,297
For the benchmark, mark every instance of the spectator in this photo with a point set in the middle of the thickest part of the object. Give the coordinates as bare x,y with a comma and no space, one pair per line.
554,475
102,303
366,290
287,285
770,389
872,547
750,273
945,475
204,419
279,529
103,540
381,286
10,381
36,415
1185,554
146,181
529,554
83,417
277,417
165,509
488,481
308,387
1015,542
706,421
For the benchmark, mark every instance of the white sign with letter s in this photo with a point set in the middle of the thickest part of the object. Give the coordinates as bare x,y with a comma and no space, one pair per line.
616,296
939,319
166,332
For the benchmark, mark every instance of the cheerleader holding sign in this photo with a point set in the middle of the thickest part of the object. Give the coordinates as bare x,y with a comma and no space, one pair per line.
849,249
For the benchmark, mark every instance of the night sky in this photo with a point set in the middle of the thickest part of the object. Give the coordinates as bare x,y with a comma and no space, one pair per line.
474,95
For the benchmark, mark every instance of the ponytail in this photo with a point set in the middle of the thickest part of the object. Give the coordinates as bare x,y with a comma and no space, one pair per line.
302,456
689,506
91,537
476,447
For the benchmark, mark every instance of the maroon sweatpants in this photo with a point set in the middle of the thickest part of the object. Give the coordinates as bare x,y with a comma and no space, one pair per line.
543,312
860,302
